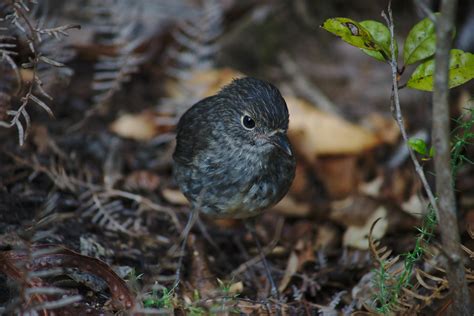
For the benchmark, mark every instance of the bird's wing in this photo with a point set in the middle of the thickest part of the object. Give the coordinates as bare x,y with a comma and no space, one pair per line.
191,132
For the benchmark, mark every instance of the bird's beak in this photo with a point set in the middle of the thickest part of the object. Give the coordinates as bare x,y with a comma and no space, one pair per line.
280,140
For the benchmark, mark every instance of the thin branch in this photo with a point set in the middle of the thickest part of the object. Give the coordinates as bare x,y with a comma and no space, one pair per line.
397,112
302,84
426,10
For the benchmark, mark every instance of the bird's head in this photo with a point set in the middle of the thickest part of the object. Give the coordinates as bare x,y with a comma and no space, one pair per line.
255,113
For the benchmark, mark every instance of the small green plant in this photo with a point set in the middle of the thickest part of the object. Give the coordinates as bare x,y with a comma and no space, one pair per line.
389,283
225,288
223,303
193,309
420,146
157,300
373,38
463,138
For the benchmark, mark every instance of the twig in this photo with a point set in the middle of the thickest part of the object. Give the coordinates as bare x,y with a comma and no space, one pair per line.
426,10
442,161
397,112
302,84
140,199
265,251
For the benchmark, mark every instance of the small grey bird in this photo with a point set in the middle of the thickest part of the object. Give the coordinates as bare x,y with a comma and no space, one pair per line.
233,158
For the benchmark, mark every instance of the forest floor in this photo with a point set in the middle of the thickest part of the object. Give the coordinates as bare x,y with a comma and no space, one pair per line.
94,179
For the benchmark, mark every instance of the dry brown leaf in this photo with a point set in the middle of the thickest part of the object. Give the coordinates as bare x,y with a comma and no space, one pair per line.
290,207
305,253
301,182
339,175
236,288
203,82
357,237
142,126
313,132
353,211
26,74
174,197
326,237
139,126
142,180
372,188
291,268
385,128
415,206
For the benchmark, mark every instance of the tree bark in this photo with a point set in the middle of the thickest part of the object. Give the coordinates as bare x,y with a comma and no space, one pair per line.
442,159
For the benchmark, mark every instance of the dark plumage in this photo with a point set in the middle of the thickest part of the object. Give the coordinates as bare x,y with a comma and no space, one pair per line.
232,157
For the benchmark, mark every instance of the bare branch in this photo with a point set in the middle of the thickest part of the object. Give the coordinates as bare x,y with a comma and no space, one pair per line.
397,112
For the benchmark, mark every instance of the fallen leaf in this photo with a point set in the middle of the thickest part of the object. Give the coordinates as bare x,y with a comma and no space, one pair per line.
384,128
142,180
291,268
26,74
202,82
357,237
313,132
174,197
373,187
288,206
139,126
236,288
353,211
339,175
415,206
143,126
327,237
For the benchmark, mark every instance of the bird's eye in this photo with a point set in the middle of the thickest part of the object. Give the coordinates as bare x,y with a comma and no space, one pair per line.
248,122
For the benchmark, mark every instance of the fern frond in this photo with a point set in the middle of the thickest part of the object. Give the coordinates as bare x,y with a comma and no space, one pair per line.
116,24
21,23
196,46
109,214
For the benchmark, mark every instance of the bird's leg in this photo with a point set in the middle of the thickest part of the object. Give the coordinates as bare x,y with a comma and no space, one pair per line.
251,226
193,217
205,234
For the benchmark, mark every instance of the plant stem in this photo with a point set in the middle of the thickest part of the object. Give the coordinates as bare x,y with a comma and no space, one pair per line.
442,161
397,112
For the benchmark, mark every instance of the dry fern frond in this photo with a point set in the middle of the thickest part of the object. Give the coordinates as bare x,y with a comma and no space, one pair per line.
109,214
36,296
22,25
54,70
435,291
196,38
196,46
380,255
116,24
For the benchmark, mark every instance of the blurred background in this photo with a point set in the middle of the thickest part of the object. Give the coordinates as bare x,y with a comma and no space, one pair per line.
101,104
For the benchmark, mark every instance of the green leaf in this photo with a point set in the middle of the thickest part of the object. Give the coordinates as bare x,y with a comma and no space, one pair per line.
418,145
420,42
432,152
381,34
352,32
461,70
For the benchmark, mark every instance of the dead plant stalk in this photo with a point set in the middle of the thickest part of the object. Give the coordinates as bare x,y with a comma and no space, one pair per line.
442,161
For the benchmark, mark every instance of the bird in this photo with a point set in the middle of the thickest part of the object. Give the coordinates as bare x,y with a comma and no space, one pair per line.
233,158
